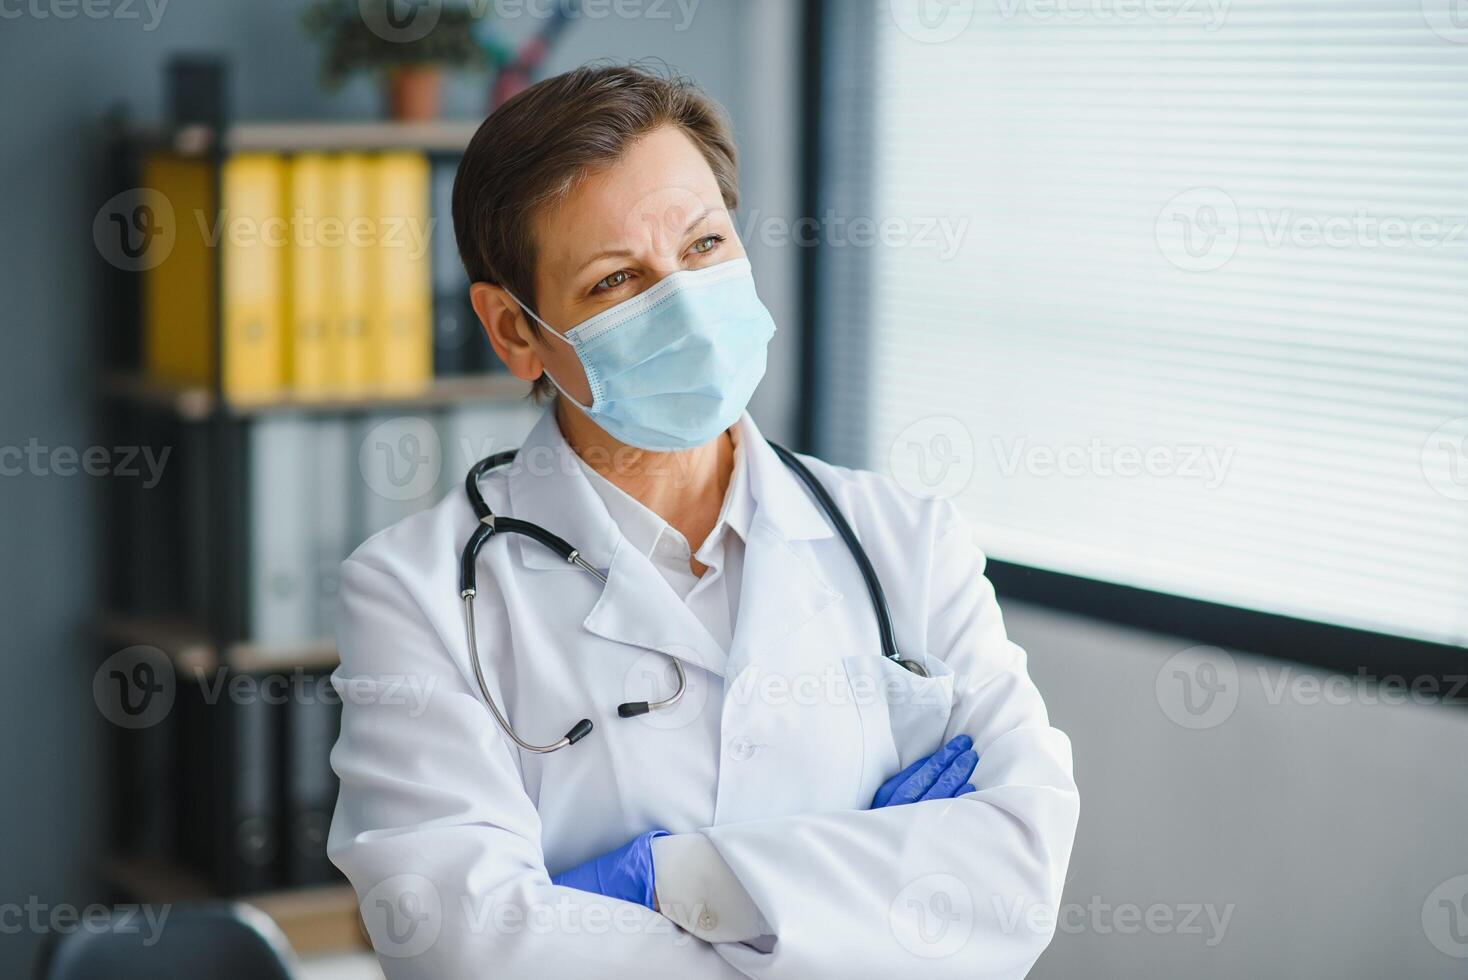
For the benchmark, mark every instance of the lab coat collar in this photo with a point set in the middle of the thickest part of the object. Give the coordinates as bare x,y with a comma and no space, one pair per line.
781,500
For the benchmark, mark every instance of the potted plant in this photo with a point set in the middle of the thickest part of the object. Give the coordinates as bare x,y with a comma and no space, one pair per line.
410,52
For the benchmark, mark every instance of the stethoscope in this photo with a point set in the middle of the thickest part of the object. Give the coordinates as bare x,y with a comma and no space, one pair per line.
491,524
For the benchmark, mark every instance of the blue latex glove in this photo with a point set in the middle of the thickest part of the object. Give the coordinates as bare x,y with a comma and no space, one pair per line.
939,776
624,873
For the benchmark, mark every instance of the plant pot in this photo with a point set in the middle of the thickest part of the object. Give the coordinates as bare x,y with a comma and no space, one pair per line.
413,93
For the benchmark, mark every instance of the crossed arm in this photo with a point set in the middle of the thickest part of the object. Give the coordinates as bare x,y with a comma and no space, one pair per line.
447,827
629,872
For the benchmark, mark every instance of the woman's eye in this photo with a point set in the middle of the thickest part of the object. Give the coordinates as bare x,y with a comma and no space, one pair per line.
614,280
706,244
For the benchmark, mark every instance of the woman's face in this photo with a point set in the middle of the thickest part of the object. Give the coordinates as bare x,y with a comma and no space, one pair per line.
617,232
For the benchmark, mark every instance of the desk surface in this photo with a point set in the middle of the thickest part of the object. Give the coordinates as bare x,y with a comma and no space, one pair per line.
341,966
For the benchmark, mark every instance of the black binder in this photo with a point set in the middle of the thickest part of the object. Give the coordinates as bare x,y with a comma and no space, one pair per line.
251,820
459,346
312,720
230,816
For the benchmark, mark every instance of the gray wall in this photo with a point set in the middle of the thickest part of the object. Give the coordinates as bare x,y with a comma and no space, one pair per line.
1324,820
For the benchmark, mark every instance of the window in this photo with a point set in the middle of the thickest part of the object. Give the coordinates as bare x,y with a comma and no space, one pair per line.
1166,293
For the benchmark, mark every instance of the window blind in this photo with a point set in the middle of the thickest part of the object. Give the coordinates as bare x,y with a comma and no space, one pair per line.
1168,294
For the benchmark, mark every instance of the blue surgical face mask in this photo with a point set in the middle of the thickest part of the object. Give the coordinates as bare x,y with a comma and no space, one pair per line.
675,365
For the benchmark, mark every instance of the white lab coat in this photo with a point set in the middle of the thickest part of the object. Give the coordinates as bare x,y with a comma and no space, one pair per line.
449,834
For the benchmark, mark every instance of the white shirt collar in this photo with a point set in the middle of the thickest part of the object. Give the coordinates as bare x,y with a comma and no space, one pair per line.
643,528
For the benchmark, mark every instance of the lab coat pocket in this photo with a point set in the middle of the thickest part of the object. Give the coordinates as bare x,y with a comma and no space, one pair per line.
903,715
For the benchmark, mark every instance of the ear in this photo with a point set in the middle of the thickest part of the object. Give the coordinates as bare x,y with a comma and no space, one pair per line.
508,330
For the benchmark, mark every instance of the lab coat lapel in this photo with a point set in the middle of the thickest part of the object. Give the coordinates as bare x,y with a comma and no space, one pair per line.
781,592
546,487
782,588
639,607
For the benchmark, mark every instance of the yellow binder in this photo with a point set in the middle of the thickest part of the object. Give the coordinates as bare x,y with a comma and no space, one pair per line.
178,288
355,267
255,240
312,274
400,327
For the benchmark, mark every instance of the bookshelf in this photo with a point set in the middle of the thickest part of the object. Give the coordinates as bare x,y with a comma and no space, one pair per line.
192,650
196,403
199,140
207,804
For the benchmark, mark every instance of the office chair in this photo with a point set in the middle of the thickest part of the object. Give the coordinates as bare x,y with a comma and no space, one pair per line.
213,940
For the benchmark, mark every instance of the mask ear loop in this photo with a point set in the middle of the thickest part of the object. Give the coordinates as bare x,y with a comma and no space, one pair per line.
560,336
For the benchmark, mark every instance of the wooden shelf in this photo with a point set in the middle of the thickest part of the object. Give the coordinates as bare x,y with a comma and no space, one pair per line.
318,919
188,647
192,652
294,136
197,402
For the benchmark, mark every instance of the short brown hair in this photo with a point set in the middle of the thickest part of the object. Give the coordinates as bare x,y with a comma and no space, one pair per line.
532,150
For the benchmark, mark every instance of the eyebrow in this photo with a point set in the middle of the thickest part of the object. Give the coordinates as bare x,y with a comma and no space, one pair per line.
627,253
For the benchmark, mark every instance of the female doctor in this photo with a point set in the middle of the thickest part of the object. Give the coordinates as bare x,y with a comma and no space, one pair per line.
777,797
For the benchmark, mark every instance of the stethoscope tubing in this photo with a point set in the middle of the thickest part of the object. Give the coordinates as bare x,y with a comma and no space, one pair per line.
491,524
